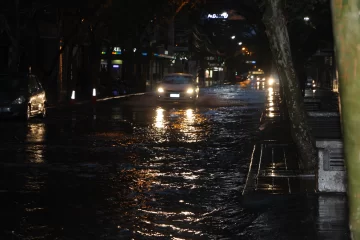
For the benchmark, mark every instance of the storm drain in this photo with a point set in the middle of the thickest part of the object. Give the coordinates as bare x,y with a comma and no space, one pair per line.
331,168
335,160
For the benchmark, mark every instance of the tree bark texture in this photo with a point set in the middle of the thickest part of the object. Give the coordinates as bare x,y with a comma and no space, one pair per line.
347,38
276,30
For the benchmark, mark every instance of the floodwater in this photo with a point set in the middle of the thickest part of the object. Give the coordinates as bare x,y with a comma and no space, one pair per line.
134,170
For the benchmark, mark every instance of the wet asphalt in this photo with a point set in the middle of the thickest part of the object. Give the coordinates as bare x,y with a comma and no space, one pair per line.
135,169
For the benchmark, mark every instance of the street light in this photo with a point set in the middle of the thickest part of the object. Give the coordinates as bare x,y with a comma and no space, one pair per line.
233,37
306,19
243,49
240,43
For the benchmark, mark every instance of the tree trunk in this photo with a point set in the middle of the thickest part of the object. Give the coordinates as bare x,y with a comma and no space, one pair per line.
277,33
347,39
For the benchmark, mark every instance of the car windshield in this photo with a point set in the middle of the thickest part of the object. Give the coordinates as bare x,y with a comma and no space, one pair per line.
8,83
178,79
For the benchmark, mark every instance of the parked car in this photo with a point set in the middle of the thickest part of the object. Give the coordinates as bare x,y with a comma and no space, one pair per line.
178,87
21,95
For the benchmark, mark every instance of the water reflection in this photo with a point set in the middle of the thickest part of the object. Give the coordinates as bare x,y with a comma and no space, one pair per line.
35,135
159,119
245,84
270,103
190,116
259,85
179,123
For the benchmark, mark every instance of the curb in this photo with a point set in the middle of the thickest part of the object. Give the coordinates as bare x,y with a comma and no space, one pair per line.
97,100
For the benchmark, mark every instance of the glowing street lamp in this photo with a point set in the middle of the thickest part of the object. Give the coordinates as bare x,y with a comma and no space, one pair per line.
240,43
306,19
233,37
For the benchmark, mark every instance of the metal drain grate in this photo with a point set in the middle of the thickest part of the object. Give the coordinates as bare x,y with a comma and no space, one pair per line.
334,160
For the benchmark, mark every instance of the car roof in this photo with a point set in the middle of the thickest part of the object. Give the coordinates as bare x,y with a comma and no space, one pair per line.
179,74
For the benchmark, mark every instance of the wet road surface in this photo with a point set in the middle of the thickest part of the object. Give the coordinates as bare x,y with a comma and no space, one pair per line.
130,169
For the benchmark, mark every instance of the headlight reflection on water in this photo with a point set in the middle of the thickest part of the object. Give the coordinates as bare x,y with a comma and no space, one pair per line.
36,134
190,115
179,123
159,119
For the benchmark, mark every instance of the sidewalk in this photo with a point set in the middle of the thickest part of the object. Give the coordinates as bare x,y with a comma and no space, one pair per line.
274,173
274,167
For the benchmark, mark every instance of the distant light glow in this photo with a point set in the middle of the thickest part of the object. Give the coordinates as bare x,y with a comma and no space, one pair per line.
232,37
94,92
116,66
240,43
306,19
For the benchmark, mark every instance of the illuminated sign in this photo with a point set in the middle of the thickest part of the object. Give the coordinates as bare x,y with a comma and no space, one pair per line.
224,15
251,62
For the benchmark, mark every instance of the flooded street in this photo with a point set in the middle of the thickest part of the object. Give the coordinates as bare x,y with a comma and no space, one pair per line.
133,171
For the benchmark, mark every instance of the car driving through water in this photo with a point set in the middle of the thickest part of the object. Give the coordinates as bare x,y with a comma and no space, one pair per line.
178,87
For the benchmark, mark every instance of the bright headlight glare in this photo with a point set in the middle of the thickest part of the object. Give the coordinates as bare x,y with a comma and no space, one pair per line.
160,90
19,100
190,90
271,81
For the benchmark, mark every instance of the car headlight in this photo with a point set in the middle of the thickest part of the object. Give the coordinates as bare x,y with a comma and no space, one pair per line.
19,100
271,81
160,90
190,90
